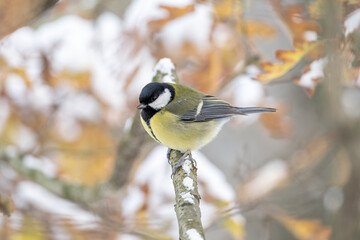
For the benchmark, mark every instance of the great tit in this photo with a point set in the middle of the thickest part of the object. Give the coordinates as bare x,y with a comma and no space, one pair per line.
183,118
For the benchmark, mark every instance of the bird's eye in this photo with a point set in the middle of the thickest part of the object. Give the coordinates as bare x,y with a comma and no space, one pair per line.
154,97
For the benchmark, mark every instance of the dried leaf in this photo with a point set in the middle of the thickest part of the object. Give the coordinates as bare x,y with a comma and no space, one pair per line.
312,75
89,158
22,73
227,8
289,60
77,80
10,130
207,76
31,229
235,226
305,229
259,28
173,13
293,17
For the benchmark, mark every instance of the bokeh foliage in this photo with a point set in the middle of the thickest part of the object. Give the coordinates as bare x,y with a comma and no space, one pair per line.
61,129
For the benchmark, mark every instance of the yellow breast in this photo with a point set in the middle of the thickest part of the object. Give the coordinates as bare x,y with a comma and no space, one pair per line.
175,134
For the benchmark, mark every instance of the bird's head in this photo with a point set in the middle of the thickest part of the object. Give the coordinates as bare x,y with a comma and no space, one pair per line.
156,95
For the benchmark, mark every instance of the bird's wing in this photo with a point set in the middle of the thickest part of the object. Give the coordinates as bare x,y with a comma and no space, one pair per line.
184,102
202,108
181,106
209,108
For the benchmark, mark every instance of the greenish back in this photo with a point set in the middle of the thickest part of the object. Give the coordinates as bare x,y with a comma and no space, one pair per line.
181,105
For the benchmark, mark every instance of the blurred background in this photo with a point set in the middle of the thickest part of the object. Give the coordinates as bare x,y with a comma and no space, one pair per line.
75,163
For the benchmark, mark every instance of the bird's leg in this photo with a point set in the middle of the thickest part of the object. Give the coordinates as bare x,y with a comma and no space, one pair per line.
181,161
191,159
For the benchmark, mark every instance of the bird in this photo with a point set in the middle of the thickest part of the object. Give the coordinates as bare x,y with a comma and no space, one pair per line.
183,118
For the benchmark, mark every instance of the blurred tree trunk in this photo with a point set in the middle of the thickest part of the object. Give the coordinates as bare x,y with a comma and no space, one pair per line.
346,224
17,13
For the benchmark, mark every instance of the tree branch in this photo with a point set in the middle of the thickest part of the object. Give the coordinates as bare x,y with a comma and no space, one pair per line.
187,196
187,199
127,151
73,192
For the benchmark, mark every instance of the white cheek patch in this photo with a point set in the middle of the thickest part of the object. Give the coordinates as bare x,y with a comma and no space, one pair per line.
162,100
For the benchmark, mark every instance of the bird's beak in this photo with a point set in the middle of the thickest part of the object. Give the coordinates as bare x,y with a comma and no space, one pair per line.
141,106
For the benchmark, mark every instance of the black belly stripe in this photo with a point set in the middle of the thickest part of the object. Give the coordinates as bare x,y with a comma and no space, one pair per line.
147,114
152,133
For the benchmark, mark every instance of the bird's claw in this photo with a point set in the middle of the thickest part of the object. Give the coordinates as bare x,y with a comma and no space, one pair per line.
187,156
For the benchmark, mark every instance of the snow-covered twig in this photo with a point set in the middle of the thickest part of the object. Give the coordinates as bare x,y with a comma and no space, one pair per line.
187,196
187,199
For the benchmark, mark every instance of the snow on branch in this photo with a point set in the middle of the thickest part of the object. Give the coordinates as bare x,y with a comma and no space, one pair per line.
185,183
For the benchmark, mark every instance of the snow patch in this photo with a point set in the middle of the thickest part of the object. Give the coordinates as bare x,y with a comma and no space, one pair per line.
81,106
310,36
133,201
15,88
193,234
187,166
316,71
40,97
188,197
247,92
123,236
68,39
32,194
194,27
166,67
140,12
352,22
18,45
25,138
214,180
145,62
154,172
74,45
188,183
41,164
269,176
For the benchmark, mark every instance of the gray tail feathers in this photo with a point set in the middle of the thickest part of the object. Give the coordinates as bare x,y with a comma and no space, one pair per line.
249,110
